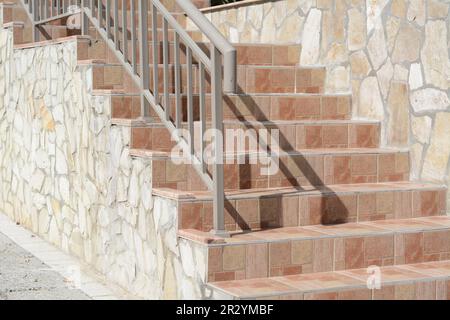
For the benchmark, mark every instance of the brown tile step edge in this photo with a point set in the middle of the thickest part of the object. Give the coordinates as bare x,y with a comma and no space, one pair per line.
107,76
421,281
256,79
289,134
246,54
81,41
272,107
265,107
290,207
324,248
300,168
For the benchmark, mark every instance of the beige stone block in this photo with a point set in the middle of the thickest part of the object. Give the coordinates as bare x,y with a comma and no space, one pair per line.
370,102
398,106
356,30
392,27
407,44
385,75
435,58
437,9
359,64
421,128
437,156
398,8
290,30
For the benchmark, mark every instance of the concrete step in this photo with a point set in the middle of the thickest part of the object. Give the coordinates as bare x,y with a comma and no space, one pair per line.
324,248
421,281
255,209
300,168
292,134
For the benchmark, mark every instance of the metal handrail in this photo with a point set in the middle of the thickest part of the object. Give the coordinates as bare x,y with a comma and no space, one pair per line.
104,15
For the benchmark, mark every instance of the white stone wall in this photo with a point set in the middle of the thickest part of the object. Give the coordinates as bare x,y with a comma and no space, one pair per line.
393,55
65,173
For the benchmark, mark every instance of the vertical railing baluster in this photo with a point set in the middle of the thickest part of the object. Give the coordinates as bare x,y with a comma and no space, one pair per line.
124,31
116,24
155,54
36,8
166,68
84,18
108,18
100,13
133,37
143,54
202,111
217,126
176,53
190,104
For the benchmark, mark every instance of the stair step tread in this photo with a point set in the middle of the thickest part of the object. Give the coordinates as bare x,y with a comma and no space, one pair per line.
299,152
314,232
299,285
287,191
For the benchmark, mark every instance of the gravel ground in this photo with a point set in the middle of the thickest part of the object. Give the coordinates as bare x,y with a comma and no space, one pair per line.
24,277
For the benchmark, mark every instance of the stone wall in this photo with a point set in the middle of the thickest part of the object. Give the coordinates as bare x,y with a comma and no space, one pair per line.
65,173
393,55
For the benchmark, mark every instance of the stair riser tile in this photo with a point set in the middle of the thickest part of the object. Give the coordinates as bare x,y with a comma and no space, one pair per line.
292,137
291,211
249,261
411,290
156,139
309,170
272,108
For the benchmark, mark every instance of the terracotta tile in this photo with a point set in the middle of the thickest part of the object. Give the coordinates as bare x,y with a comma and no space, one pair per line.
335,136
425,290
312,137
436,241
378,247
224,276
414,247
289,213
258,55
269,212
404,292
286,55
355,294
234,258
338,169
364,165
257,261
280,254
321,296
215,259
425,203
191,216
365,136
354,253
314,281
256,287
248,212
307,108
323,255
302,252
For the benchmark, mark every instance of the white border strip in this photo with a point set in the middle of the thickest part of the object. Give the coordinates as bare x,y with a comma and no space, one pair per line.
57,260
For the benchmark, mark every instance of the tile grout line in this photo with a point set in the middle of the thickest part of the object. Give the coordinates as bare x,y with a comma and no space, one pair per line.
54,257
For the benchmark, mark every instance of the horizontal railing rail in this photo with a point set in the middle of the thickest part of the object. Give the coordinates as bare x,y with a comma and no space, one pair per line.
125,28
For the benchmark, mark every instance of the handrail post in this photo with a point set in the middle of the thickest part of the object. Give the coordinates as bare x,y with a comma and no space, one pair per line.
36,9
217,125
143,54
84,18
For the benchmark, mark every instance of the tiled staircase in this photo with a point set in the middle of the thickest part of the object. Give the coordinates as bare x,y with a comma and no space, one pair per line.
338,204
